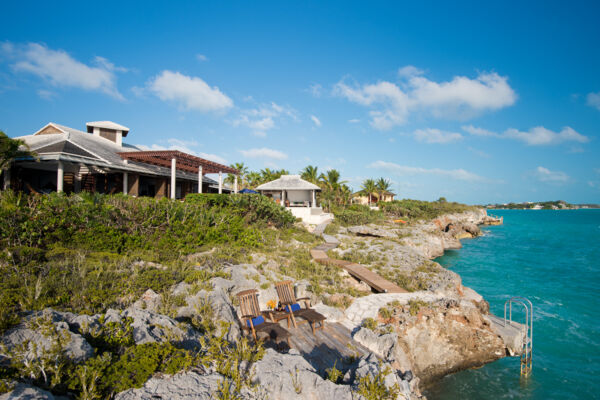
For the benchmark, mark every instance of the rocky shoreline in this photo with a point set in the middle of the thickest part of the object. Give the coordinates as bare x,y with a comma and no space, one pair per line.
440,327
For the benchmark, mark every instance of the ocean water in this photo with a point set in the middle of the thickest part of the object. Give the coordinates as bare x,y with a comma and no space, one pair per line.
552,258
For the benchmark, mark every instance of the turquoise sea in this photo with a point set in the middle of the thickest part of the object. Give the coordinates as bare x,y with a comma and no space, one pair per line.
552,258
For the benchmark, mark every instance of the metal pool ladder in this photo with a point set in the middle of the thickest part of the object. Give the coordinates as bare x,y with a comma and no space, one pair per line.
527,353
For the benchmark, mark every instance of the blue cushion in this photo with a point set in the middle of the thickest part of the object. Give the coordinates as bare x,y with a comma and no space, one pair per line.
255,321
294,307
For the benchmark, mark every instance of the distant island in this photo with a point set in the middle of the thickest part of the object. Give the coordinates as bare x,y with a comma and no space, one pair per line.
541,205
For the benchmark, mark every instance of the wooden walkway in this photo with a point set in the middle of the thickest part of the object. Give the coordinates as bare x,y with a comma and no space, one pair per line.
331,345
375,281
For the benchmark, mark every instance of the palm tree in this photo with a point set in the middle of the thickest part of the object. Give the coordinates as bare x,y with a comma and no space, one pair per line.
253,178
383,186
11,149
242,177
369,187
332,186
310,173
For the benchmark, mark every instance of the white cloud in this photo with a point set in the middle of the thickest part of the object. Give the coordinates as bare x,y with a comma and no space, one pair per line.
354,121
262,119
45,94
479,153
201,57
537,136
545,175
191,93
316,120
212,157
478,131
593,100
61,70
409,71
403,170
315,89
461,97
430,135
264,153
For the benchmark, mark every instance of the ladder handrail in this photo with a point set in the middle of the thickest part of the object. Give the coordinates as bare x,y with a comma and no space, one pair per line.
528,345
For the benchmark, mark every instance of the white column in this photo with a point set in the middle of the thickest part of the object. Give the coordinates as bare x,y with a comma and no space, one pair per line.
119,139
200,179
125,182
60,175
314,198
220,182
235,184
173,182
96,131
283,198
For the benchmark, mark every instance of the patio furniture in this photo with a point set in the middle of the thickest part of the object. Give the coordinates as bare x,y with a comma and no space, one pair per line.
290,304
253,320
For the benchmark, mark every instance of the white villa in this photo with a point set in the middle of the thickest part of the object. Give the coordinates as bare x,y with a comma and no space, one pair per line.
298,196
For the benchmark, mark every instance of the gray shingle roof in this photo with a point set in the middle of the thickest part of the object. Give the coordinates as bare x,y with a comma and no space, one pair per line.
103,152
288,182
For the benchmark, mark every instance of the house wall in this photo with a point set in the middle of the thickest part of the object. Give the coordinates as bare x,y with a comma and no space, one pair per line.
48,131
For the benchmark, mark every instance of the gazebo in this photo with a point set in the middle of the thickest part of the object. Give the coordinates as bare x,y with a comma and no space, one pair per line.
298,196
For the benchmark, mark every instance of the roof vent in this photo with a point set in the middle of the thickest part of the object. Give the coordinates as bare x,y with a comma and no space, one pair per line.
108,130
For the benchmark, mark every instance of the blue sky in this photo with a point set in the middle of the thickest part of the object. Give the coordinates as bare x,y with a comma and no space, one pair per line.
476,103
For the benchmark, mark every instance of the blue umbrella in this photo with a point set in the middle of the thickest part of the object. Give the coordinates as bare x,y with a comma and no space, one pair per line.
248,191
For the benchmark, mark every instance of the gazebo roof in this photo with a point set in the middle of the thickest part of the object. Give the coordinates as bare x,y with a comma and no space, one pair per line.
184,161
288,182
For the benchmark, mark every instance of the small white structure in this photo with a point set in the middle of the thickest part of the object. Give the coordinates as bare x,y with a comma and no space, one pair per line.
298,196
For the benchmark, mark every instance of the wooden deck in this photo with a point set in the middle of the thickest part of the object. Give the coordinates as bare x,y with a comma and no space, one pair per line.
363,274
331,345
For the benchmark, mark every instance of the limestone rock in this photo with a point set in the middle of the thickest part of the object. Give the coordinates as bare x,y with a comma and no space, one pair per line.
149,327
187,385
363,230
290,376
150,300
331,313
27,392
77,348
386,346
371,365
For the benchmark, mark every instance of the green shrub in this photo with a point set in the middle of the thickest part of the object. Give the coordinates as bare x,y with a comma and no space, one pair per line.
418,209
369,323
357,214
373,387
334,374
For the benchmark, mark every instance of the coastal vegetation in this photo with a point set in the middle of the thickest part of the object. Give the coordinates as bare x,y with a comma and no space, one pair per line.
89,254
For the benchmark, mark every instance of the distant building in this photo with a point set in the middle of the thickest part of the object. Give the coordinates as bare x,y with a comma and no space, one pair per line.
298,196
362,198
70,160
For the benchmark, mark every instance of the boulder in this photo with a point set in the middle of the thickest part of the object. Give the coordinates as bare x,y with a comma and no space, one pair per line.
385,346
187,385
27,392
41,339
371,365
150,300
290,376
223,310
149,327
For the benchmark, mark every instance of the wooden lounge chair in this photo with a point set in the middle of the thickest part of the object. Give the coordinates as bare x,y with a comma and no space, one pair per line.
253,320
288,300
